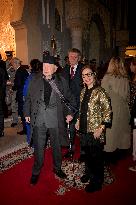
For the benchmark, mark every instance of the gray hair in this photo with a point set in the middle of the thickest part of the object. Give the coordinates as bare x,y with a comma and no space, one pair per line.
16,61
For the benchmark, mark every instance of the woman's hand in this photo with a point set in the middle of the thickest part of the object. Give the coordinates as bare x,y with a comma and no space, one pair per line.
98,132
77,125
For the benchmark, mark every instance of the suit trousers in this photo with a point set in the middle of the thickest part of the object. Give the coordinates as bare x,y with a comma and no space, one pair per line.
39,141
20,111
14,107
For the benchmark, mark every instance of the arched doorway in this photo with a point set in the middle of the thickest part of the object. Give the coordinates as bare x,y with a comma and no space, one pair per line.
94,48
97,39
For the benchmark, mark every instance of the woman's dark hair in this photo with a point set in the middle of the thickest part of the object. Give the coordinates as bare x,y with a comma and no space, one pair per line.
95,74
36,65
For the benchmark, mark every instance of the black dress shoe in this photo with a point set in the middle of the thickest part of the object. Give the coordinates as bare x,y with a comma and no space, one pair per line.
13,124
93,187
69,154
22,132
85,178
34,179
82,158
60,174
2,134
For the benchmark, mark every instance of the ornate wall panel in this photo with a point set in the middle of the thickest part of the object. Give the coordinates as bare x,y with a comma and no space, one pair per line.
7,33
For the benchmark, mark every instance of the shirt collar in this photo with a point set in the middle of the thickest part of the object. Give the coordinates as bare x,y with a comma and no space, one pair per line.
75,67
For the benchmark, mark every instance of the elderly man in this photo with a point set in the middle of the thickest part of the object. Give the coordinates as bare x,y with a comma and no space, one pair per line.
44,110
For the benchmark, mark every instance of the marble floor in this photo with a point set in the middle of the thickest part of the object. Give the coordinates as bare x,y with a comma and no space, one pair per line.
11,139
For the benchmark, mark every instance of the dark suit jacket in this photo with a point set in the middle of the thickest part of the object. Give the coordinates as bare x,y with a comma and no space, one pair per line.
20,78
32,101
3,79
19,81
75,84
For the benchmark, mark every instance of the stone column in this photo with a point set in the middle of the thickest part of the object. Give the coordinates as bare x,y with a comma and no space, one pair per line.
76,35
21,41
76,18
76,27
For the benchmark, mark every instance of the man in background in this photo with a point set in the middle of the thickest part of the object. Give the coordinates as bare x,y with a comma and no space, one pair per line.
9,55
3,84
72,73
19,81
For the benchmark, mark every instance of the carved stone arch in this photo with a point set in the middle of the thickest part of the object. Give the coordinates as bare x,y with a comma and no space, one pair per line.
17,10
59,13
97,21
59,6
57,20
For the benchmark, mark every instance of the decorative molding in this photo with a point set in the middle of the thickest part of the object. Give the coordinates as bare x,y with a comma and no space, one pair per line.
18,24
76,14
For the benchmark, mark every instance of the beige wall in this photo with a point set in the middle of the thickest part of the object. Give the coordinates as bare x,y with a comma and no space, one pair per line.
21,45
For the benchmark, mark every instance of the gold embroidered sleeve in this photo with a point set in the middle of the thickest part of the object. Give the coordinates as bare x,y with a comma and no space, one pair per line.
106,106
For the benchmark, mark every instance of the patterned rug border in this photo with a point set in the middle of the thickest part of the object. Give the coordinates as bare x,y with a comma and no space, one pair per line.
13,149
15,155
73,169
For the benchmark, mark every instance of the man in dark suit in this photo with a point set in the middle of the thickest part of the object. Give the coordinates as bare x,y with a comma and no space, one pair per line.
6,78
3,81
44,110
72,73
19,81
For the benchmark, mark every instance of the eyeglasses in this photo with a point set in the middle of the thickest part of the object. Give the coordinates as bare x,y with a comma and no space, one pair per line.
87,74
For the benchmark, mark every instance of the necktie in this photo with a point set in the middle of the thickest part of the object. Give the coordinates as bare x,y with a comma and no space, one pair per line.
72,72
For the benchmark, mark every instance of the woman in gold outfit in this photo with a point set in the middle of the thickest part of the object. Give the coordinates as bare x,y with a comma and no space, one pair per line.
94,117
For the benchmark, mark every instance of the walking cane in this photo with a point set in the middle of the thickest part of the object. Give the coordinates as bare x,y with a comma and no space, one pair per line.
71,153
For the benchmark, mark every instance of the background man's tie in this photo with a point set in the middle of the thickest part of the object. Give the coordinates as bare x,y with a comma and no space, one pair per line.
72,72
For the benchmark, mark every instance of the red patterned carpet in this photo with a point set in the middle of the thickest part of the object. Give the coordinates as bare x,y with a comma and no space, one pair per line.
16,190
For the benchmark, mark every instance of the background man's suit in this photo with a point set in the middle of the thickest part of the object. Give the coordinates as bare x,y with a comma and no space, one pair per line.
75,85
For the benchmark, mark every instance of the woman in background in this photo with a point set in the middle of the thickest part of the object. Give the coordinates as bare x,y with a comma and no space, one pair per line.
116,83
